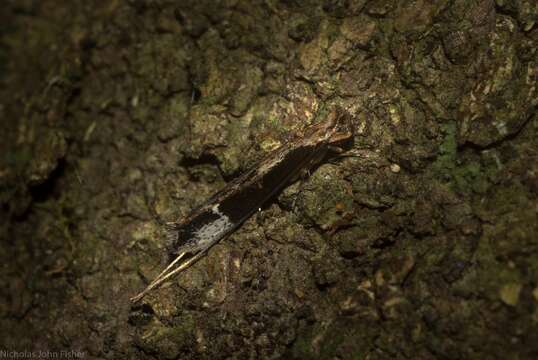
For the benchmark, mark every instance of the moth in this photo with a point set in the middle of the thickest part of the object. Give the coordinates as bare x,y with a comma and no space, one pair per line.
226,210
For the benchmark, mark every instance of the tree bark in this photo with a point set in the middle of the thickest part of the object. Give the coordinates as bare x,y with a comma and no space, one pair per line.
120,116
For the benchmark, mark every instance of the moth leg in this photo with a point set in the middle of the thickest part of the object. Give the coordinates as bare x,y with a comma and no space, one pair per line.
157,280
304,174
179,257
345,154
161,279
296,195
180,268
336,149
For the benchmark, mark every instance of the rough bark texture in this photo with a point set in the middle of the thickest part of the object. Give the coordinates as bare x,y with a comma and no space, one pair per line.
119,116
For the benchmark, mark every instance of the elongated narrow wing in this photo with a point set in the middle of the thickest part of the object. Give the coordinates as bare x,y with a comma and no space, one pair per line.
238,200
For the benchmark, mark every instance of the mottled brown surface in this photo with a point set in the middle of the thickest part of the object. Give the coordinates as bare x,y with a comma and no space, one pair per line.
119,116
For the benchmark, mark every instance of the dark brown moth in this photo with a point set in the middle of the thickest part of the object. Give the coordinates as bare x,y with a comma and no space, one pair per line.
239,199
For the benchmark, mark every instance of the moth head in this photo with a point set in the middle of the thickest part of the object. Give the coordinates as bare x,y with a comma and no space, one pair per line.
339,126
336,129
